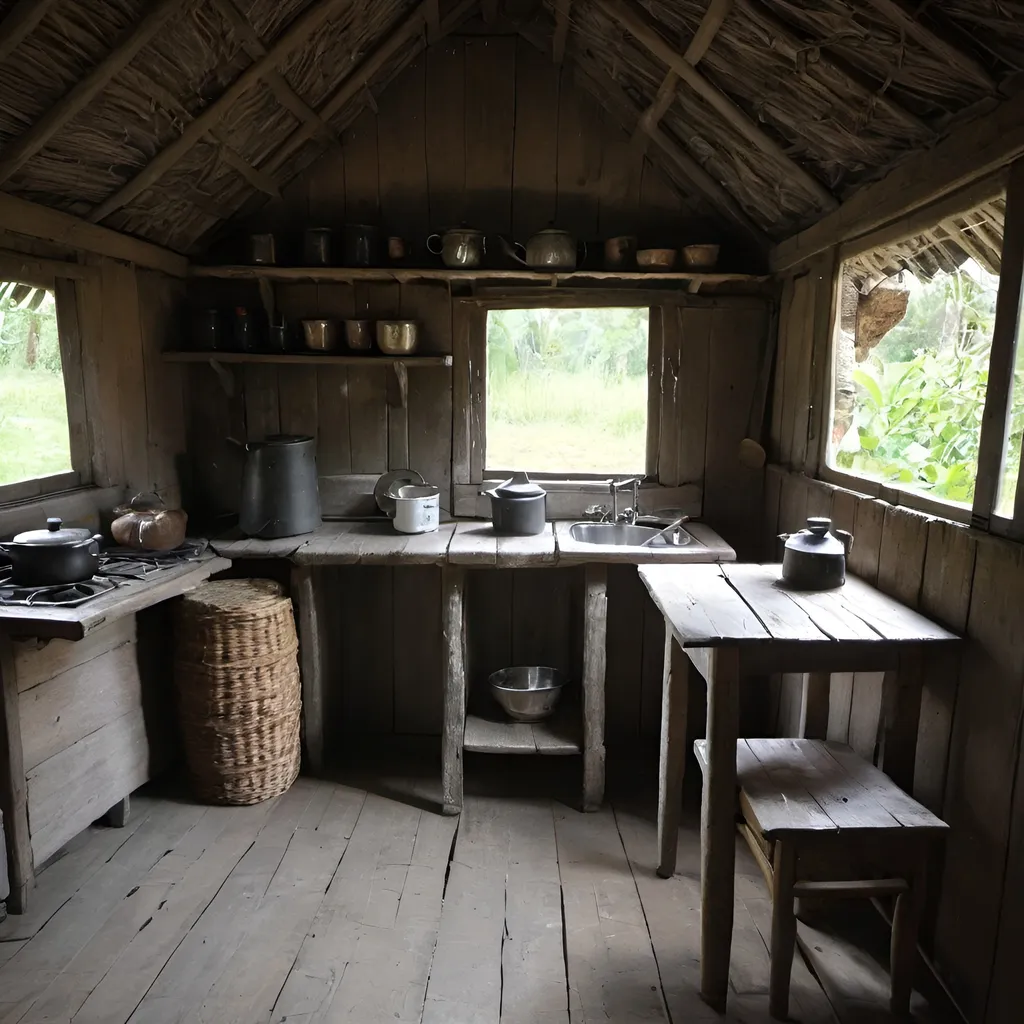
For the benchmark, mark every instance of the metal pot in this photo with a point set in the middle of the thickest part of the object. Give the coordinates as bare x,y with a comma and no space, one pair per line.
42,558
815,559
361,245
359,335
417,508
320,335
397,337
263,249
620,252
280,497
460,248
550,249
518,507
317,245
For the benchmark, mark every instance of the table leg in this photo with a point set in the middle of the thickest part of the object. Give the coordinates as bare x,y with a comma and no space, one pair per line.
675,686
453,582
118,815
304,594
13,791
901,711
595,657
717,826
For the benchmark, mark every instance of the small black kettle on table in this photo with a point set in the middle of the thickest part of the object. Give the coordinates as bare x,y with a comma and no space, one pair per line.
815,558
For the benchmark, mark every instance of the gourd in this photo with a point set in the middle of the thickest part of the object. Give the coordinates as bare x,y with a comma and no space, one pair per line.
146,524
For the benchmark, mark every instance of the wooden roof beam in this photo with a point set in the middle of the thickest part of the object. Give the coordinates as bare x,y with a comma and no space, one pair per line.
21,149
562,9
626,17
24,17
275,81
785,42
294,36
717,12
923,36
360,78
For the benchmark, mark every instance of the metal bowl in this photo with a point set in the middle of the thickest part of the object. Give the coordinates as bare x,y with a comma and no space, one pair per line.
397,337
527,693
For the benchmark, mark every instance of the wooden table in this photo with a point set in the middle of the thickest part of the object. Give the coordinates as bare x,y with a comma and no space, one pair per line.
723,622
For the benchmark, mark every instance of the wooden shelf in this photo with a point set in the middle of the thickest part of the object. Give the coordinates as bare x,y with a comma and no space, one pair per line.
558,735
404,274
304,360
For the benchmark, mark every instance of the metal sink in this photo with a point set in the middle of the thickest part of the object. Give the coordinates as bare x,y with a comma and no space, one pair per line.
624,535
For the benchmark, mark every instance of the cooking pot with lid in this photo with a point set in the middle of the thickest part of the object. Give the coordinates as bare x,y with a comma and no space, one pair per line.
54,556
815,559
518,507
280,497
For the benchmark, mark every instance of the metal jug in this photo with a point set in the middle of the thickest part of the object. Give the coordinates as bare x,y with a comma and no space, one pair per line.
815,559
280,497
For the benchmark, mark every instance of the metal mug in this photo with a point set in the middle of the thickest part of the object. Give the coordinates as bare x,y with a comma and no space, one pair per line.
620,252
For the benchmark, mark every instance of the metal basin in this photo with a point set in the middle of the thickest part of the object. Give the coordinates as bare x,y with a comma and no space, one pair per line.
624,535
527,693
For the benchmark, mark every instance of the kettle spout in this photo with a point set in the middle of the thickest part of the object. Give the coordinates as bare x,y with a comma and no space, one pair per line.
785,536
847,538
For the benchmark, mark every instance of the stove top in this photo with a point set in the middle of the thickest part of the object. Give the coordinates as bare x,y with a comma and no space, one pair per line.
118,567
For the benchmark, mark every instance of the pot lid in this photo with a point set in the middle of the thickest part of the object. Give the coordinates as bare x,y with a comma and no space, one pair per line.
552,230
519,485
55,535
281,439
816,539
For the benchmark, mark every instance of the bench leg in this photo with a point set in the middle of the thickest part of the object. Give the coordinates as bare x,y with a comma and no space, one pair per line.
783,929
117,816
675,687
903,950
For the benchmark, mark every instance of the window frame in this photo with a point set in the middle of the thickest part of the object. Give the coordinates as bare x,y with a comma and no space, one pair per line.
57,278
997,399
570,493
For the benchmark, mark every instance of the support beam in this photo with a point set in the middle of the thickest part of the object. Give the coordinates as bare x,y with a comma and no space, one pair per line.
21,149
259,180
717,12
361,76
627,18
924,37
299,31
968,155
562,9
793,48
25,218
23,18
277,83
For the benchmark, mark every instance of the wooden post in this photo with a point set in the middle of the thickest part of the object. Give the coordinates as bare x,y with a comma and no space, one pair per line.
595,634
717,825
903,948
901,711
13,791
453,583
783,929
118,815
675,688
814,701
310,664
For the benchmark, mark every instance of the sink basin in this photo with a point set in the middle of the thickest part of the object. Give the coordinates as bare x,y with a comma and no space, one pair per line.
623,535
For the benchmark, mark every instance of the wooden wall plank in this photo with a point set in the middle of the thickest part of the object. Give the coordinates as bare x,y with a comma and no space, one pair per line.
262,409
542,619
418,649
446,133
624,669
490,118
535,157
70,339
665,322
794,368
334,447
580,146
362,174
619,187
695,340
364,619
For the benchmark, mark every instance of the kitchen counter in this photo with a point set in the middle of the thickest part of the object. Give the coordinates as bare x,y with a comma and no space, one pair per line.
470,542
76,622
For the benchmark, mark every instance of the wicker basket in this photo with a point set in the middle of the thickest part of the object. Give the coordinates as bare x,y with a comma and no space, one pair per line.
239,695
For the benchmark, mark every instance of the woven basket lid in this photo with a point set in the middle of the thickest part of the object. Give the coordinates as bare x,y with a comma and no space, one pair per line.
233,597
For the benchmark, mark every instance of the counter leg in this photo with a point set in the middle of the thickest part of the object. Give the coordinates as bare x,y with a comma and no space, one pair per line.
595,657
675,686
311,665
118,815
453,585
13,791
901,711
717,826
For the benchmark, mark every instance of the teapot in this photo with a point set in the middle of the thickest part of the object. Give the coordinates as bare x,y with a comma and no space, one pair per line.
815,558
550,249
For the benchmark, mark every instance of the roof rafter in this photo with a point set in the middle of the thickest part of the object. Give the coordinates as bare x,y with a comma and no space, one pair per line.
26,145
278,84
23,18
627,18
296,34
924,36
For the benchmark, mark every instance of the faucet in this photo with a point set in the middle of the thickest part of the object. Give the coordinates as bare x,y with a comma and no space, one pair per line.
629,515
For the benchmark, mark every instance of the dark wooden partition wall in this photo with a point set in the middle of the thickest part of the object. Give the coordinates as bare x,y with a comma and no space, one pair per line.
487,131
969,763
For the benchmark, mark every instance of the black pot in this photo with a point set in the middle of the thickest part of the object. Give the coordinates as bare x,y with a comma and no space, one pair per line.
360,245
518,507
279,487
54,556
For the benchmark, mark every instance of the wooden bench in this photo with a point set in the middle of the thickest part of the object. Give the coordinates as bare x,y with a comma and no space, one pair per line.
822,823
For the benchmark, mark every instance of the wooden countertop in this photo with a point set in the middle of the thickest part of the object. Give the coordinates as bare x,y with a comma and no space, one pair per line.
471,542
76,622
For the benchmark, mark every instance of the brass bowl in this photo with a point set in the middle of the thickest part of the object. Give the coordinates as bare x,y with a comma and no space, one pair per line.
656,259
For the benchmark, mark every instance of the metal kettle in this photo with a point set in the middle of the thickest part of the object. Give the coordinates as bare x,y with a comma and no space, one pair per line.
815,558
280,497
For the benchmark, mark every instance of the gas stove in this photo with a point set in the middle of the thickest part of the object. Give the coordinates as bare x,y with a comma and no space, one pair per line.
118,567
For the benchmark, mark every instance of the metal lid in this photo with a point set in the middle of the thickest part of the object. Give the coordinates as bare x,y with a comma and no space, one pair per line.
519,485
55,535
282,439
816,539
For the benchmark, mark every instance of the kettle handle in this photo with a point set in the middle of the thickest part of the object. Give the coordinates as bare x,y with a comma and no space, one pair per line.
430,248
847,538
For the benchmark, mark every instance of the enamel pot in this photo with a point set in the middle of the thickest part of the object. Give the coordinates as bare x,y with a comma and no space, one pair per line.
54,556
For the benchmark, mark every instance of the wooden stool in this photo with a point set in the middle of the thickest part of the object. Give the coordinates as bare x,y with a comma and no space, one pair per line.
823,823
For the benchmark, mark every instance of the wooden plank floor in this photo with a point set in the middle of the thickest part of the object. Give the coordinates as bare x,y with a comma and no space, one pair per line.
356,902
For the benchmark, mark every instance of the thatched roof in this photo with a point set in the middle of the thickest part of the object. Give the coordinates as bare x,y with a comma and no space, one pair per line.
164,118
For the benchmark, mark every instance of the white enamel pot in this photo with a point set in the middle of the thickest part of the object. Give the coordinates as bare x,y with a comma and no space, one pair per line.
417,508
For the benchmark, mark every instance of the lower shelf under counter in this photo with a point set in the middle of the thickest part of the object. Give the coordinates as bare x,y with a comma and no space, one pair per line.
559,735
